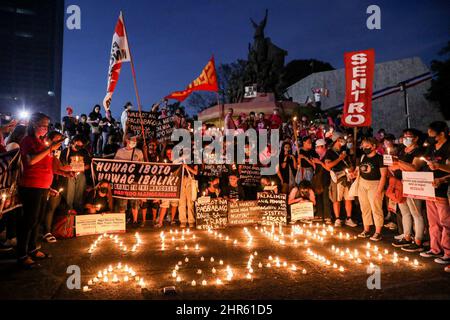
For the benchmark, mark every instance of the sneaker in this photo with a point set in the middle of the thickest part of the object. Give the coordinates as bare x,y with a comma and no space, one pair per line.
349,222
442,260
4,247
399,237
401,243
338,223
413,247
364,235
376,237
11,242
430,254
49,238
182,225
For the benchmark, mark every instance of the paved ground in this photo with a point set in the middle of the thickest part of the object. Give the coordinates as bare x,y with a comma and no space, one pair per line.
401,280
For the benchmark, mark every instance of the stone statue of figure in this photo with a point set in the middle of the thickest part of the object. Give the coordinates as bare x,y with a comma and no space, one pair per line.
265,60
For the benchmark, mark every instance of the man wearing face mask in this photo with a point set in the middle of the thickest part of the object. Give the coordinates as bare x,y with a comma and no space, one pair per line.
74,187
321,182
130,153
337,162
99,199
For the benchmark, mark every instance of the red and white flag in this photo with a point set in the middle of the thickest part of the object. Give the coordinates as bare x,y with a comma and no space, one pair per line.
120,52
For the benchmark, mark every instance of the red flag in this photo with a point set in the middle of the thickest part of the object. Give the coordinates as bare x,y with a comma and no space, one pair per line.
359,70
206,81
120,52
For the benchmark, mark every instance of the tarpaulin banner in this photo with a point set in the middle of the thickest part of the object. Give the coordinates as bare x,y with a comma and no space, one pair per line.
10,166
359,70
139,180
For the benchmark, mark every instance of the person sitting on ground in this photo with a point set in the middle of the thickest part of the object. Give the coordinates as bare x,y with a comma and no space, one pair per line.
99,199
233,191
213,190
304,192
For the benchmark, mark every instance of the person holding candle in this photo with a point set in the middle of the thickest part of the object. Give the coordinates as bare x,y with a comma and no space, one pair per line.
34,185
435,158
338,163
411,209
372,178
74,187
99,199
234,190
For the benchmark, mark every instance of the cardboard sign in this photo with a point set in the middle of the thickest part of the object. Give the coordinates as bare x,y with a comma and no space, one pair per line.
139,180
273,208
77,164
149,120
302,210
249,175
243,212
387,160
212,214
164,129
99,223
418,185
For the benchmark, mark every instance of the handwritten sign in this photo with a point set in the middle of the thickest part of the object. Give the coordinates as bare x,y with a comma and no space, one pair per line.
302,210
418,185
214,170
149,121
164,129
243,212
249,175
273,208
212,214
387,160
99,224
77,164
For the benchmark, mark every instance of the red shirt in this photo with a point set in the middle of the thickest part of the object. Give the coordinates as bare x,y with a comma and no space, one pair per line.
276,121
39,175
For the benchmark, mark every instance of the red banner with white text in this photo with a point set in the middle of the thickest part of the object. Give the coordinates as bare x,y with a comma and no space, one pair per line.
359,70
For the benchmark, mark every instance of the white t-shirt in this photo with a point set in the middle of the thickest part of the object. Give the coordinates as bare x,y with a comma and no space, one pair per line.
124,118
126,154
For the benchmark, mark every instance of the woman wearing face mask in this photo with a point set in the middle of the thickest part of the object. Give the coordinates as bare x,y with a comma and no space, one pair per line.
372,173
99,199
74,188
34,187
213,190
438,210
94,120
411,209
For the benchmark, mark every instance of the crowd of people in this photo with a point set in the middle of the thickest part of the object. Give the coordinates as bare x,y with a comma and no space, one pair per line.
348,183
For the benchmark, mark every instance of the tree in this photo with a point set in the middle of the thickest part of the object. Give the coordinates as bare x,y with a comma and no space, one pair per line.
201,100
440,85
231,80
296,70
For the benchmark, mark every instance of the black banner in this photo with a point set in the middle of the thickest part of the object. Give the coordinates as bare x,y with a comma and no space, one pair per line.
243,213
10,166
139,180
212,214
273,208
164,129
250,175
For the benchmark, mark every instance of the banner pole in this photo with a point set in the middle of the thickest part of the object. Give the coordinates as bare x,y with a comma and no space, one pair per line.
355,139
138,99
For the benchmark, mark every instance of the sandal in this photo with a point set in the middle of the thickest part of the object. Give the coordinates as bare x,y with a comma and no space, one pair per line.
27,263
49,238
39,255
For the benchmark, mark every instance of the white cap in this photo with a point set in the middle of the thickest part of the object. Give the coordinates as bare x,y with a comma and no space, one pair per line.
320,142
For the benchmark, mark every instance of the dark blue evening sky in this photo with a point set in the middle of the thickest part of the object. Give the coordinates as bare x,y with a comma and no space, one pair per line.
171,41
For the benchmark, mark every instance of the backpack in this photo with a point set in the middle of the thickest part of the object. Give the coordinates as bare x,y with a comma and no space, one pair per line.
64,225
395,190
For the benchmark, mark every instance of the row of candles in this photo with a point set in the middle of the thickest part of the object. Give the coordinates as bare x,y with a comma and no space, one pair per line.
110,275
116,241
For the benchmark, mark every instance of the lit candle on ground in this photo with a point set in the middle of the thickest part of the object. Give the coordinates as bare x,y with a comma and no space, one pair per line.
178,279
90,282
187,259
199,271
142,283
193,283
125,279
204,283
85,289
202,259
213,270
212,259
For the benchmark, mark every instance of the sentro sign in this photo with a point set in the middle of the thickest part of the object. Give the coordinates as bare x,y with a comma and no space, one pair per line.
359,67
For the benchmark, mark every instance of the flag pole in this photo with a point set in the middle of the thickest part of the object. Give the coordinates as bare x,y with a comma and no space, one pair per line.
133,71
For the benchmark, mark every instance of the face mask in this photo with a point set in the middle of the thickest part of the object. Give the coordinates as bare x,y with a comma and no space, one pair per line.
367,150
431,141
407,142
78,148
350,145
103,190
132,144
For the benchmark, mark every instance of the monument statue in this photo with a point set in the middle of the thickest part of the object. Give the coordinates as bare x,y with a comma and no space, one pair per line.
265,61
